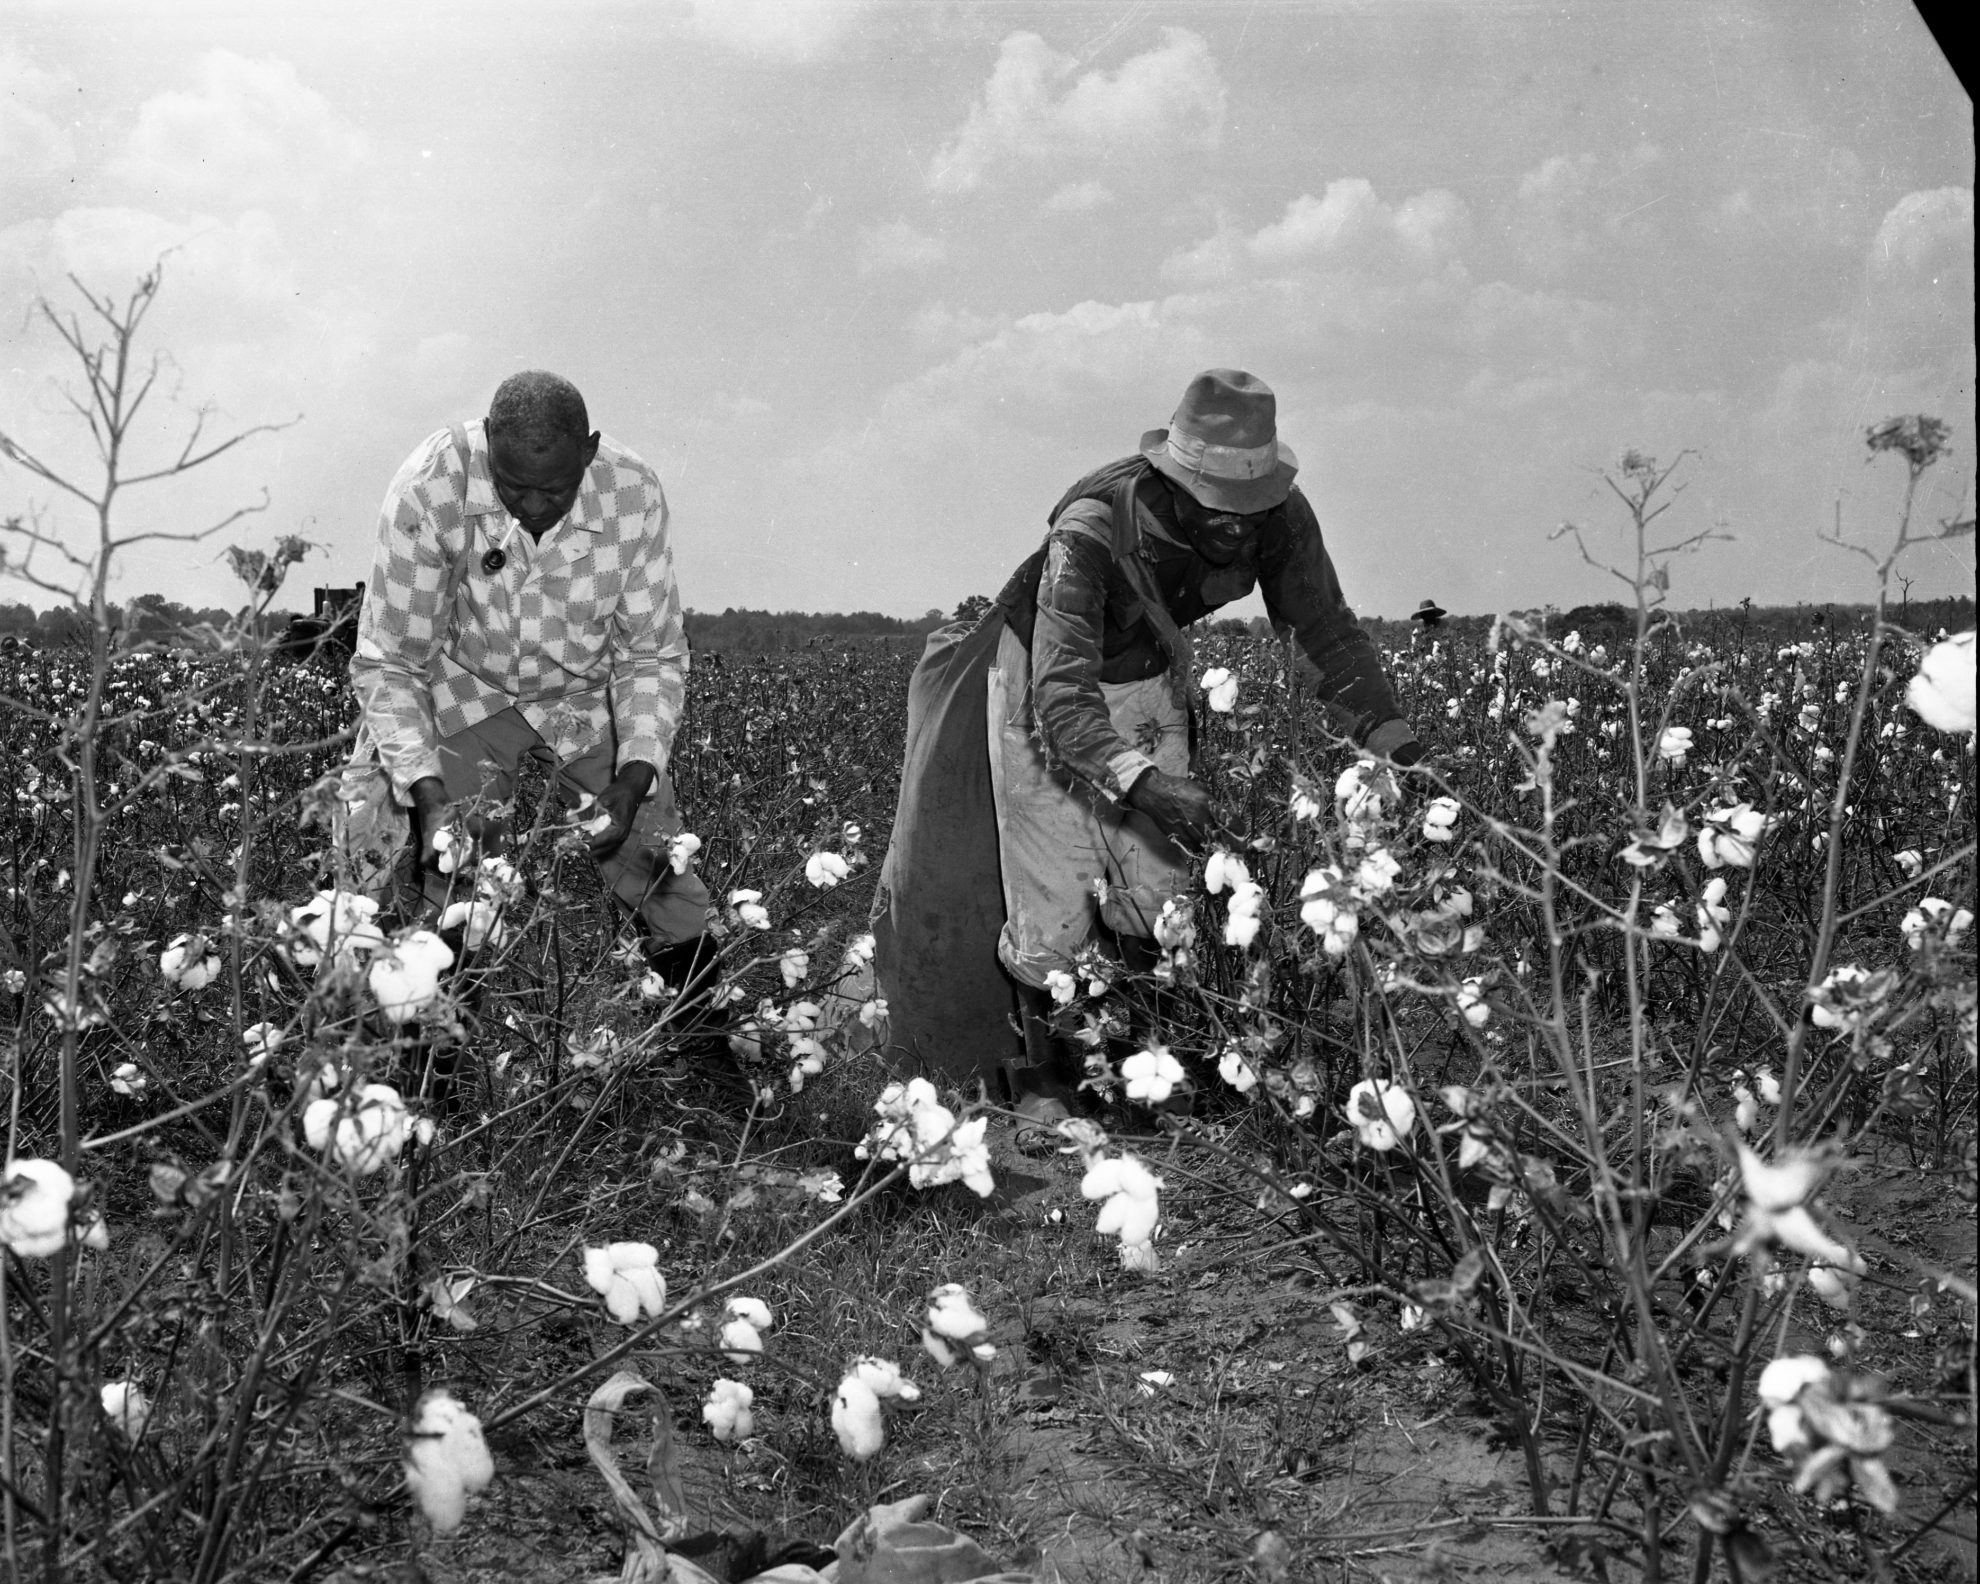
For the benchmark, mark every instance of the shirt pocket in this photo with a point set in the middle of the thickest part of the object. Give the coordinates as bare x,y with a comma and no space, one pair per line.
582,593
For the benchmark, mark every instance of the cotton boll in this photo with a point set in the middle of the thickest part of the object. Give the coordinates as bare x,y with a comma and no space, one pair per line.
126,1407
856,1419
752,1311
741,1342
446,1460
726,1411
1942,693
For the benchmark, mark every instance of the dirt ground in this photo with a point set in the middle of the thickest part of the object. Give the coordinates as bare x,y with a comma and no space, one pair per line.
1206,1423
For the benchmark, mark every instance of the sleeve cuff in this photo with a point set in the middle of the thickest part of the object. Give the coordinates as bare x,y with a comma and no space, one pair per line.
1127,767
1395,741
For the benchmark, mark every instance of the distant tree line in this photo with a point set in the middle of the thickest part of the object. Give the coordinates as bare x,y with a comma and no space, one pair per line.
151,618
750,632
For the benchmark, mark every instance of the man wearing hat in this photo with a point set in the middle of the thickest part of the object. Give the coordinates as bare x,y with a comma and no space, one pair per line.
1047,805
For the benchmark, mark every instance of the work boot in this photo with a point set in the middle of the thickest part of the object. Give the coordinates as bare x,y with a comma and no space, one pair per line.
691,970
1043,1089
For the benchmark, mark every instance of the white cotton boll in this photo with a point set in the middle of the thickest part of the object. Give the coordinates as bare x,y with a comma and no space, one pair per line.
726,1411
1830,1285
1223,869
1381,1114
1220,689
1785,1379
1942,693
261,1041
1236,1071
405,977
752,1311
1440,819
825,870
1782,1184
856,1419
883,1378
741,1342
794,965
1770,1087
750,909
681,851
1746,1112
1243,918
953,1316
1152,1075
127,1078
1911,861
363,1131
1674,745
126,1407
1130,1193
1062,985
1472,1003
446,1460
188,964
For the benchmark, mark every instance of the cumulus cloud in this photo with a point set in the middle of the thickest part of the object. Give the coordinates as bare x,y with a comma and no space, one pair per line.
1568,205
896,246
32,142
250,133
1035,108
1927,231
1349,224
780,30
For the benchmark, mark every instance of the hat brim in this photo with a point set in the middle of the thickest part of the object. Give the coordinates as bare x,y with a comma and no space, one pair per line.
1243,496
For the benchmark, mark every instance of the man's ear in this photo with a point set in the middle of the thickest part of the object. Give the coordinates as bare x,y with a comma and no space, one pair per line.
591,448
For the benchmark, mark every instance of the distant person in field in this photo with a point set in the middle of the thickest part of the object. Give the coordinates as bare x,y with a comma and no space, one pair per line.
522,604
1047,804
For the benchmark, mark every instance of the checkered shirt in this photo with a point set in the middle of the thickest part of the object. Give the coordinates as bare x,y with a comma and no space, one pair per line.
582,632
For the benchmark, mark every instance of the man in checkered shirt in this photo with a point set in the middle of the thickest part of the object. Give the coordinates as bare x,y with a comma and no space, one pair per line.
522,602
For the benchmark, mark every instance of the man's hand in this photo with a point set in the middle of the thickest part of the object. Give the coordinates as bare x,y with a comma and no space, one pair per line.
1179,805
620,801
433,812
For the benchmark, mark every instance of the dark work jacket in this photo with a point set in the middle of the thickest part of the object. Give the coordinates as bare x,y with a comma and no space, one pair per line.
1083,616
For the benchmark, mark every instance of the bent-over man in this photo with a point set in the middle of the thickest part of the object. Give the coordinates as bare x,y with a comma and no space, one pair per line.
522,603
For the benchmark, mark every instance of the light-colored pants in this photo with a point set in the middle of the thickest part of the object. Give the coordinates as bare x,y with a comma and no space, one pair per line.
479,766
1073,860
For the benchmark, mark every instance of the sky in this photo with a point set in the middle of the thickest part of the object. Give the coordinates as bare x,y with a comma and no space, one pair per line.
872,281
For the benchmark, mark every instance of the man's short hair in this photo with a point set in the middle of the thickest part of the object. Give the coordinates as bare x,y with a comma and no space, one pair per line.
538,408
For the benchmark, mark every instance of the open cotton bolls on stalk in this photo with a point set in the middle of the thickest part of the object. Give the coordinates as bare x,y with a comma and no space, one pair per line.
446,1460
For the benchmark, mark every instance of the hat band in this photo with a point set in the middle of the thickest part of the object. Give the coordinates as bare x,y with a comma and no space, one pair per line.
1224,462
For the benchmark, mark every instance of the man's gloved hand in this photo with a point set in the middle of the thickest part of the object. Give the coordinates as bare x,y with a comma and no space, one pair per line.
1179,806
620,801
433,812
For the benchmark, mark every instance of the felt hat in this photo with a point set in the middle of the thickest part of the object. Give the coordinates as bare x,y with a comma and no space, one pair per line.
1223,444
1429,613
